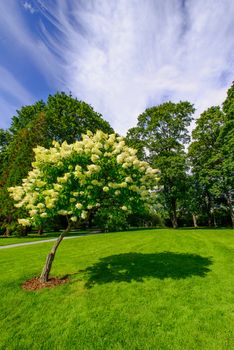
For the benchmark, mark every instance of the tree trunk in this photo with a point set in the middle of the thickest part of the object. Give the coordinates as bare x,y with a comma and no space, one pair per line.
229,203
209,221
212,211
209,209
173,218
7,232
173,215
194,220
215,223
174,222
40,230
50,257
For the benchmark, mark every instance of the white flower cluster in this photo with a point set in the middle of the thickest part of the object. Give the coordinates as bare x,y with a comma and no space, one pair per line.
72,179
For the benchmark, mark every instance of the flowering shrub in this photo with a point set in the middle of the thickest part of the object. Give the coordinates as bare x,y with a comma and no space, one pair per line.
99,171
98,174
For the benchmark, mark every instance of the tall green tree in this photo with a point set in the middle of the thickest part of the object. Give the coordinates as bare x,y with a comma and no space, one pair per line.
203,156
160,137
61,118
17,163
212,155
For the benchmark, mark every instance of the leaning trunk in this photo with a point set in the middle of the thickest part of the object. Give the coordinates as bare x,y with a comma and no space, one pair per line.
50,257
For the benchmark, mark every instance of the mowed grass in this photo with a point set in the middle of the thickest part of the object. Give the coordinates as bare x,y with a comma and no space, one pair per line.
153,289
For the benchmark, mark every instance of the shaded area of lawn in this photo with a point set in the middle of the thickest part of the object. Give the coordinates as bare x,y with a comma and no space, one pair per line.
130,267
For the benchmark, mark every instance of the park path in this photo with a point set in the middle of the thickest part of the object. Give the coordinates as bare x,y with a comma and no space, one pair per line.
36,242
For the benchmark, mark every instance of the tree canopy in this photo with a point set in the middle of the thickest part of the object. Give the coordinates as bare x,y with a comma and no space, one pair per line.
195,182
160,136
74,180
212,156
61,118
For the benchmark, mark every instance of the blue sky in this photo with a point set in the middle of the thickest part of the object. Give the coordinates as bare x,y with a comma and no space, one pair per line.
121,56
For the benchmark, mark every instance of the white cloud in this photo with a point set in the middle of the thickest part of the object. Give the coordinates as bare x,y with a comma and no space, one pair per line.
123,56
19,40
14,28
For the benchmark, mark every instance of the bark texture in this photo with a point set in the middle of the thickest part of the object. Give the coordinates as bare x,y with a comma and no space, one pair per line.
50,257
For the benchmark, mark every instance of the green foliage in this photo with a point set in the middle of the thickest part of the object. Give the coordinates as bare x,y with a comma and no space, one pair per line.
4,141
204,145
114,220
212,156
228,105
26,116
76,180
203,154
160,135
67,118
159,138
97,173
61,118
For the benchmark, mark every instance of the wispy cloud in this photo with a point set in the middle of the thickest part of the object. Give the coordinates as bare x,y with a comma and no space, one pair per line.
19,41
10,85
16,31
13,92
122,56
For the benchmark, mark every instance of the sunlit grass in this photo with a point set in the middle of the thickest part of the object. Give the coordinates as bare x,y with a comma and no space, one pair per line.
156,289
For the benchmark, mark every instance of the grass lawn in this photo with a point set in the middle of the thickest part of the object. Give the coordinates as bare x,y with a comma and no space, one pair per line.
154,289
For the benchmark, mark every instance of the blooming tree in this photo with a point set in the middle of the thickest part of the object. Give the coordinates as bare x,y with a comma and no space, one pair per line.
81,178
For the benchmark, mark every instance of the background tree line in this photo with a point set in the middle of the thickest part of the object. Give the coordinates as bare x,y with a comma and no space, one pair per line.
196,183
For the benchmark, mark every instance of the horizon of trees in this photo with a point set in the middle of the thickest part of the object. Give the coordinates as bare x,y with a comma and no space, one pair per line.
196,185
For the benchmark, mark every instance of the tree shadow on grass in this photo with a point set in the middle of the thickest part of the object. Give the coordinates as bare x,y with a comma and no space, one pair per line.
137,266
